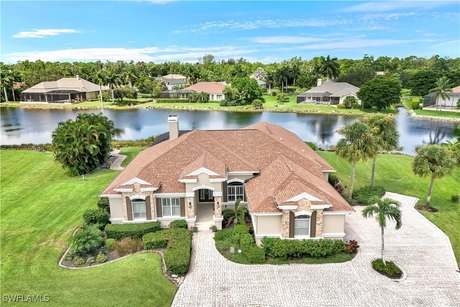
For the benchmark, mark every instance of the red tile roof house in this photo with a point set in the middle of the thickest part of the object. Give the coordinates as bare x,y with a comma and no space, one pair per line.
215,90
194,175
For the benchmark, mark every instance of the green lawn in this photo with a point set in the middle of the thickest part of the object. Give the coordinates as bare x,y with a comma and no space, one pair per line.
408,105
131,153
394,172
41,207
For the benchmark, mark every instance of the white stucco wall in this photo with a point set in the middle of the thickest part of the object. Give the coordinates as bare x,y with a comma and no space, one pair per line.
333,224
116,210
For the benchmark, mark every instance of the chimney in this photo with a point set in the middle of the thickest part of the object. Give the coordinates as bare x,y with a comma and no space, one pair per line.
319,82
173,123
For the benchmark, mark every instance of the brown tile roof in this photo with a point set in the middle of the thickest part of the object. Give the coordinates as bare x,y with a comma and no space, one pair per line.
286,165
456,89
207,87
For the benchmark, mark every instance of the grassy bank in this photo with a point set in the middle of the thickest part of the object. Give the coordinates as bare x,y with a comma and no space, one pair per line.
41,207
408,105
394,172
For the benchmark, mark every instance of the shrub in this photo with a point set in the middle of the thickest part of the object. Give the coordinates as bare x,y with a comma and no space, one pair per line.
368,195
178,243
86,240
255,254
336,183
70,255
455,198
351,247
90,260
109,243
390,269
257,104
96,216
282,98
120,93
311,145
227,214
79,261
351,102
103,203
223,235
178,224
171,100
101,258
341,106
198,97
128,246
136,231
415,103
294,249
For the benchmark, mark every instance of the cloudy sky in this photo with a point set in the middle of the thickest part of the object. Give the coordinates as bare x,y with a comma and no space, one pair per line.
162,30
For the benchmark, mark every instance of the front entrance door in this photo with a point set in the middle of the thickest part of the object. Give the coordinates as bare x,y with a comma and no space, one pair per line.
205,195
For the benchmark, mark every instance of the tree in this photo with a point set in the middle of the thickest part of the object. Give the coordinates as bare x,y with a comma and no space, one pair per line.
351,102
243,91
422,81
6,81
383,128
113,79
83,144
434,161
208,59
356,145
357,75
239,214
328,67
380,92
386,209
441,91
100,78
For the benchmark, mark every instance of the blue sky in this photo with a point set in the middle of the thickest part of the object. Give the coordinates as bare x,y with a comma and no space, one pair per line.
161,30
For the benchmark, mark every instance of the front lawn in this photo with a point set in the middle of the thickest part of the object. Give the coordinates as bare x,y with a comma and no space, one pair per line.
408,105
41,207
394,173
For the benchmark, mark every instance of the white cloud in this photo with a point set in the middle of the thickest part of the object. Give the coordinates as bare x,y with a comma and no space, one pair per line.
155,54
387,6
286,39
362,43
40,33
454,42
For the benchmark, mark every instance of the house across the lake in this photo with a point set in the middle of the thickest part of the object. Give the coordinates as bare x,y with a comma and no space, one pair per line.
215,90
64,90
329,92
174,81
194,175
449,103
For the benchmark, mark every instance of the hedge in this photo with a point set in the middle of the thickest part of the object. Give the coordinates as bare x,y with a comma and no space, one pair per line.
178,243
171,100
368,195
135,231
293,249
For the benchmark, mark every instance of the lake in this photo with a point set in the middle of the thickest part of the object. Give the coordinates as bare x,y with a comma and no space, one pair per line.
20,126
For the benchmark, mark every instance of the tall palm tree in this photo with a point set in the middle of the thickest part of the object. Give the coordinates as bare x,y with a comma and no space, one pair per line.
113,79
383,128
129,76
100,78
435,161
357,145
441,91
329,67
6,81
386,209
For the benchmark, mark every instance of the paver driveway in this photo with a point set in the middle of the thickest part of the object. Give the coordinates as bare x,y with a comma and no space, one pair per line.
420,248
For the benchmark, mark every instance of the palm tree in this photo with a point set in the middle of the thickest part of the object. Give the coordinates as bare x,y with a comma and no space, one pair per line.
357,145
100,78
435,161
129,76
113,79
329,67
386,209
441,91
239,214
386,136
6,81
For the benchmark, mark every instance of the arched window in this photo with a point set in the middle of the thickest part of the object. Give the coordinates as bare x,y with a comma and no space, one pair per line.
302,226
235,190
139,209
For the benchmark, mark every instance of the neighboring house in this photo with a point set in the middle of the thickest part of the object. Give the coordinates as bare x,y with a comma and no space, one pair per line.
261,83
174,81
329,92
65,90
450,103
215,90
194,175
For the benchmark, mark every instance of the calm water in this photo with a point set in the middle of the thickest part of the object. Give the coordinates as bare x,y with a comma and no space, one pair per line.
35,126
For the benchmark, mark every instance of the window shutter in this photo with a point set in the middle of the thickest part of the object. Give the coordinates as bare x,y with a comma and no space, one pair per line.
291,224
224,191
148,208
129,208
159,211
313,225
182,206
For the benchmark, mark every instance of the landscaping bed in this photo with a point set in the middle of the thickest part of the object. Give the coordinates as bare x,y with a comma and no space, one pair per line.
389,268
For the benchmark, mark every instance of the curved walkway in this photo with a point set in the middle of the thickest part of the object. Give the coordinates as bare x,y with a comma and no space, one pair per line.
419,247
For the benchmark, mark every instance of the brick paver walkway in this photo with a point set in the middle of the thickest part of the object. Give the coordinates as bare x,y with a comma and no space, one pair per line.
419,247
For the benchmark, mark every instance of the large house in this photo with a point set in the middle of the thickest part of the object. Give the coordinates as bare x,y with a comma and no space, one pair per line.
64,90
174,81
430,100
215,90
194,175
329,92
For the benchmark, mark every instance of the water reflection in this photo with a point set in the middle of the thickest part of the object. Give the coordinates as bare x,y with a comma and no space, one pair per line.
35,126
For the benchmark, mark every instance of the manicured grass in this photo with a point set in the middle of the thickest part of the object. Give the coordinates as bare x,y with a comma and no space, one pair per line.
41,207
131,153
394,173
408,105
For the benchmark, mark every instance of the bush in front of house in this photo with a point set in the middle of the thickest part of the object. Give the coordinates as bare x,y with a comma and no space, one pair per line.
103,203
415,103
109,244
294,249
257,104
351,102
135,231
389,268
178,224
97,216
351,247
127,246
368,195
178,243
101,258
227,214
86,240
